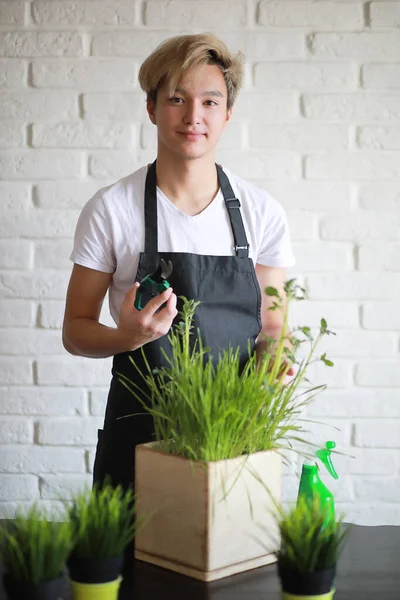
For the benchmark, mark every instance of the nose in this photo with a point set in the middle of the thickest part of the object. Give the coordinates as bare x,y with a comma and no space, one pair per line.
192,114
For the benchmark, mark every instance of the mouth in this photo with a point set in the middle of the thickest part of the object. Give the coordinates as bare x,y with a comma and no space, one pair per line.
191,135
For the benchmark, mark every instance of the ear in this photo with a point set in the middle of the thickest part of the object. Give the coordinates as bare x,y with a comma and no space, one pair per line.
151,111
228,116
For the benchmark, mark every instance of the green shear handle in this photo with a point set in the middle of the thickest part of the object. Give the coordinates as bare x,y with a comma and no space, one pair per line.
153,284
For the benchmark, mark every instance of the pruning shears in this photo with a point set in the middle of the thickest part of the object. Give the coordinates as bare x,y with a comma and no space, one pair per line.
153,284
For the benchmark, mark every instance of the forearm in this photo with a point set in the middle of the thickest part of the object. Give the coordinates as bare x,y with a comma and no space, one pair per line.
268,340
89,338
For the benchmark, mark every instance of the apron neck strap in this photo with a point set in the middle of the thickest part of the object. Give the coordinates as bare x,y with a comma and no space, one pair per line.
231,202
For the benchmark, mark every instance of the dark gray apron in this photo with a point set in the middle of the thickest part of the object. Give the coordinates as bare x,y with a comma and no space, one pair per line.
229,315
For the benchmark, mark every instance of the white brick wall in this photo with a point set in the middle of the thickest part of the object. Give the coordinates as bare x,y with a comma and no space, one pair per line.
317,124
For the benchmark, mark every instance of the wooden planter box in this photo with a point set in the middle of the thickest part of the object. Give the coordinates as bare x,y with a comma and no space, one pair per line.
196,528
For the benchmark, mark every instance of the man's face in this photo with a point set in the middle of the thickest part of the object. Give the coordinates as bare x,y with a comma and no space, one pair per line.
191,120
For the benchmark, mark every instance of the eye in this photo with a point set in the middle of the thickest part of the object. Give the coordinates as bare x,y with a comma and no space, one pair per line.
211,103
176,100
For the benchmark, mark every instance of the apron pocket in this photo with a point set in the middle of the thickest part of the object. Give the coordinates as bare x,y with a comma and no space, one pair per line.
115,457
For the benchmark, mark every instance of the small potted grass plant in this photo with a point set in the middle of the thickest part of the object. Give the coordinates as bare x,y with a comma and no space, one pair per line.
103,525
311,543
34,550
216,425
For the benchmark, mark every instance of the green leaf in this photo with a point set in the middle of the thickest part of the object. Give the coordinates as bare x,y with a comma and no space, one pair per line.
307,332
326,361
274,306
271,291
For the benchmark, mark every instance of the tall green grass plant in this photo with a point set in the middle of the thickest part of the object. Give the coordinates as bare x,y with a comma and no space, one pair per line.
310,540
34,548
208,412
102,521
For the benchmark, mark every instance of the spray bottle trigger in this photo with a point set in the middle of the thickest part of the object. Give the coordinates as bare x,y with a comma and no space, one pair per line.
324,454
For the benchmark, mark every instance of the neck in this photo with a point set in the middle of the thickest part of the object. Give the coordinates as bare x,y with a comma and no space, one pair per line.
191,185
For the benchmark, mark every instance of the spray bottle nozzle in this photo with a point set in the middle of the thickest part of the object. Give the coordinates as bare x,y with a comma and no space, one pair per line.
324,454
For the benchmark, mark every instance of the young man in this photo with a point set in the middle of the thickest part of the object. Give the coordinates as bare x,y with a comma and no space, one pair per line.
226,240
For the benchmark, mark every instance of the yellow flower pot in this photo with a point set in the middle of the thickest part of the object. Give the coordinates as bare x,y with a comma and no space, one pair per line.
96,591
328,596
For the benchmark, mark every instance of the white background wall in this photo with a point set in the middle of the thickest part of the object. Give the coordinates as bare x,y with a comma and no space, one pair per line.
317,124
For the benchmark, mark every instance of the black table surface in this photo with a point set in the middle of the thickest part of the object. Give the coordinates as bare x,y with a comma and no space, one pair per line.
369,569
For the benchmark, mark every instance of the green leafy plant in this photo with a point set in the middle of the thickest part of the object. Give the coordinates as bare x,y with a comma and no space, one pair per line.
33,548
102,521
209,412
310,540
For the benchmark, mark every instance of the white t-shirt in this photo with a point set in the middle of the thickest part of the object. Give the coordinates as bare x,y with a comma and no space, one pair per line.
110,231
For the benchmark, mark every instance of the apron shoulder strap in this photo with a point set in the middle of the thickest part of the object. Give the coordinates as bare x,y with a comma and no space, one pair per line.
150,211
231,202
233,206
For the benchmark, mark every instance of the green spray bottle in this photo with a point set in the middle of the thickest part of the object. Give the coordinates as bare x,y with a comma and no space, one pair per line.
311,485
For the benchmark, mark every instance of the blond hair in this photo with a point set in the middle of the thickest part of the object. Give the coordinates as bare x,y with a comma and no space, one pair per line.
176,56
